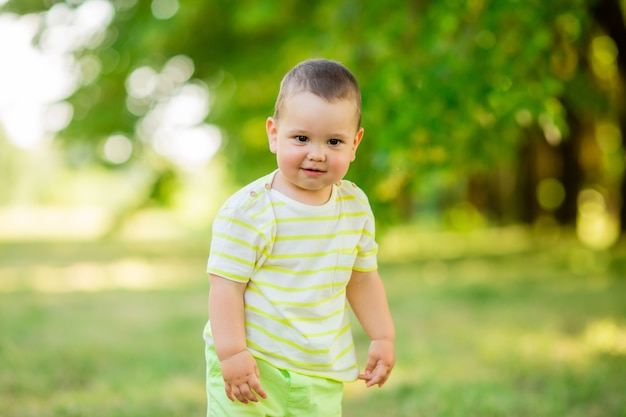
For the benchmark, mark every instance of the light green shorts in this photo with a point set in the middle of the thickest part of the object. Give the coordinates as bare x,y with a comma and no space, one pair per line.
289,394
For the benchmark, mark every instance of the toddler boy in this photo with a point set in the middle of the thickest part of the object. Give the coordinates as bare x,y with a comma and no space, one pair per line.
289,251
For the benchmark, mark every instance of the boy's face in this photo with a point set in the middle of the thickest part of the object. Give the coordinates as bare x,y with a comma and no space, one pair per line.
314,142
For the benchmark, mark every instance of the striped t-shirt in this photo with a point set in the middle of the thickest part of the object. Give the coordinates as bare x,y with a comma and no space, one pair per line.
296,260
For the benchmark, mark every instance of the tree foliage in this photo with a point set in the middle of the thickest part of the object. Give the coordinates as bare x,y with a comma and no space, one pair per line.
452,89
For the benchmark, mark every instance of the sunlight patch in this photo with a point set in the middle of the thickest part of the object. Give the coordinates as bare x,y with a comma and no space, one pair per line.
606,336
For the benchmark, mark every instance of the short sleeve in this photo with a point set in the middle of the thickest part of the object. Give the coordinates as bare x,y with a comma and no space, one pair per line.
366,259
237,245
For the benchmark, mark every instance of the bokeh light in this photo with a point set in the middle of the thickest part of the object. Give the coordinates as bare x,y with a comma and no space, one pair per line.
604,57
117,149
164,9
34,79
550,194
595,226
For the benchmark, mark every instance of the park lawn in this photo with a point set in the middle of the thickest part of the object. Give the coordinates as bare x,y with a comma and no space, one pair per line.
538,332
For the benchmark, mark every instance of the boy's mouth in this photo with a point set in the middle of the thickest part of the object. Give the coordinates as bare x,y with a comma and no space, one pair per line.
313,171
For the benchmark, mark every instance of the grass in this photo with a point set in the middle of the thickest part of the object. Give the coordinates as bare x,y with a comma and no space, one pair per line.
114,329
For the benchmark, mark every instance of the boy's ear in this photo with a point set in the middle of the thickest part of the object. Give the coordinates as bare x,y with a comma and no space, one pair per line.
357,140
272,133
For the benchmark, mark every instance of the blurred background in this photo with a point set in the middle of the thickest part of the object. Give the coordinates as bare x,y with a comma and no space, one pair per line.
493,157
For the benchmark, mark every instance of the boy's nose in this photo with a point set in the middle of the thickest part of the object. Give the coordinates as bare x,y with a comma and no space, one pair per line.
316,153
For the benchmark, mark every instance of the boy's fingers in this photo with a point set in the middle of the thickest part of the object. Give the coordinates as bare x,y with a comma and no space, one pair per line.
370,366
376,377
374,380
247,394
229,393
255,384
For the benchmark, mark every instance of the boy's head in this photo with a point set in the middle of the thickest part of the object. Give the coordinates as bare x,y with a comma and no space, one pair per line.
327,79
315,130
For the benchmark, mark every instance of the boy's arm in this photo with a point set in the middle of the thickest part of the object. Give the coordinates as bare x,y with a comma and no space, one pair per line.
367,298
226,314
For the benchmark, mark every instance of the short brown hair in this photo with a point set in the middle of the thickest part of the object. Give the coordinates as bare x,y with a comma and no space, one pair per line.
327,79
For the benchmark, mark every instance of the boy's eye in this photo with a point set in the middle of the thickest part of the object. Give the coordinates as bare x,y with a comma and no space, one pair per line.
334,142
300,138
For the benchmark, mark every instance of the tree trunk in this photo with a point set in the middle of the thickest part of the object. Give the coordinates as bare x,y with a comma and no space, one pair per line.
572,175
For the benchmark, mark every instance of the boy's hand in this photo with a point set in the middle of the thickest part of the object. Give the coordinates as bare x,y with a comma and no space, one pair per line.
380,361
241,378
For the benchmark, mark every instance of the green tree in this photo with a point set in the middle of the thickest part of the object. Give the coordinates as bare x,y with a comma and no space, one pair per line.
459,96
